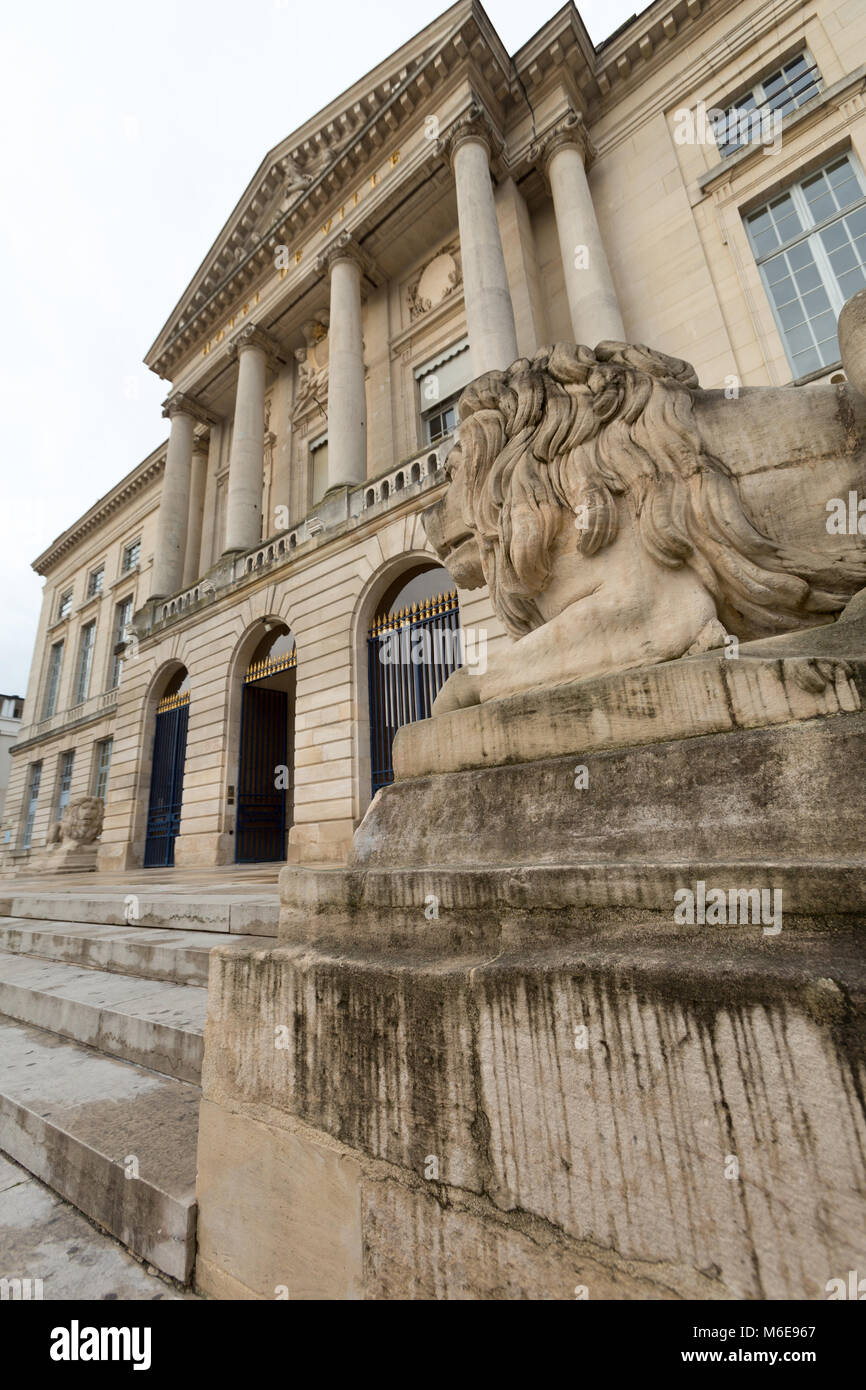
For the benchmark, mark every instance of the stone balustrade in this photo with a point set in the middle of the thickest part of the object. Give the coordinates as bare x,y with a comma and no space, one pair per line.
365,502
103,703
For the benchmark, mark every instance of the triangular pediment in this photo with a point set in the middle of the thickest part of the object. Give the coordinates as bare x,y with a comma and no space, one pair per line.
301,174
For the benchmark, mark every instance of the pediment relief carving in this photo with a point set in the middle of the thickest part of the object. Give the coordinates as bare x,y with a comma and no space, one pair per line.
436,280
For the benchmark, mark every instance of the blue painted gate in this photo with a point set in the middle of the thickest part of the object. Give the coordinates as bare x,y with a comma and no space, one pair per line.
166,780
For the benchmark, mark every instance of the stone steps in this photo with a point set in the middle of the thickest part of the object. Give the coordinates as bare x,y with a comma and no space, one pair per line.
101,1039
152,1023
180,957
115,1139
241,913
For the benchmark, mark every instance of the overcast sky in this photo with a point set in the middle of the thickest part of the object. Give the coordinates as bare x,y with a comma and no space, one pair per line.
129,131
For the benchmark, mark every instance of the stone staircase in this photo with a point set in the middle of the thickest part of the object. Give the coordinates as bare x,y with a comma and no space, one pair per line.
101,1037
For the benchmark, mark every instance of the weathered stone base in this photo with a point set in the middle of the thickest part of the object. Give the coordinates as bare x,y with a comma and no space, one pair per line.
391,1128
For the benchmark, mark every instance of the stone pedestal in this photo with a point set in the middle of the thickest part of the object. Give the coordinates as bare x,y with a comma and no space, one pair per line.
488,1060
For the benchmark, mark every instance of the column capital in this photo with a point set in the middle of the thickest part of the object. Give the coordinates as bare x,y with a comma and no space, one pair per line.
569,130
472,124
344,247
251,335
180,404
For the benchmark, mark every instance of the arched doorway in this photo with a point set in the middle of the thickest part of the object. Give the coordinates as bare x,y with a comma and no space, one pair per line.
413,646
267,745
166,777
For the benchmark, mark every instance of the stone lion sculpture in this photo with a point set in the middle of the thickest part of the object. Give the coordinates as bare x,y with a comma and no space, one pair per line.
81,822
620,516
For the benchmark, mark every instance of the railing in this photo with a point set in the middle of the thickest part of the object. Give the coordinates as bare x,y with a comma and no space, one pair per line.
102,703
420,473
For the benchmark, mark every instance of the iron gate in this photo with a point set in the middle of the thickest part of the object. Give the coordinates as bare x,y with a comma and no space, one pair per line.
410,656
263,786
166,780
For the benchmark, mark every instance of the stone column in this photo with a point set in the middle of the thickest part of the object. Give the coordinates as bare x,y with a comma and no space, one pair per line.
347,394
252,347
198,477
592,300
489,312
169,555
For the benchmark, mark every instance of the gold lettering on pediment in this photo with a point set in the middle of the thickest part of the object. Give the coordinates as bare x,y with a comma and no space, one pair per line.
283,254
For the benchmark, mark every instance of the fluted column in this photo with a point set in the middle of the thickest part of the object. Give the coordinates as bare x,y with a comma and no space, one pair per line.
172,523
198,478
344,262
253,348
592,301
489,312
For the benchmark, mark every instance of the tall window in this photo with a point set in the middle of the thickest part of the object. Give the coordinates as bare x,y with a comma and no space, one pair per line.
85,662
52,684
102,766
64,607
440,382
95,581
64,786
810,246
783,90
32,803
122,615
131,554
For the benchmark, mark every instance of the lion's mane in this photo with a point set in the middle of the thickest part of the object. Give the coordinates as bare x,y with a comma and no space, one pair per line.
575,428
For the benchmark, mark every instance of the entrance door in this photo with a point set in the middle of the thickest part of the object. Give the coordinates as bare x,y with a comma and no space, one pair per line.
166,780
263,775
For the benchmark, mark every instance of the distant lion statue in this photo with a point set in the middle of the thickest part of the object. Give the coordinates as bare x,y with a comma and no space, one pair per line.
81,821
620,516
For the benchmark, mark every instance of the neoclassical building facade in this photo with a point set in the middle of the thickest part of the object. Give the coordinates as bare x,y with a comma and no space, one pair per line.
211,656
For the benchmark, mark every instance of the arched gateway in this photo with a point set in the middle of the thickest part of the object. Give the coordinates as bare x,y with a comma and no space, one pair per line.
166,778
413,646
266,756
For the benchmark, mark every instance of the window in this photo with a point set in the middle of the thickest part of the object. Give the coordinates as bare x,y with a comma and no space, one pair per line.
319,460
103,763
52,684
783,90
810,246
64,607
64,786
85,662
440,382
441,422
94,581
122,615
32,802
131,554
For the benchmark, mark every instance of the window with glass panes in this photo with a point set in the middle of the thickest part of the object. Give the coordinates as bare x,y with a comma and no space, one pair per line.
102,766
32,803
122,615
783,90
64,607
52,682
810,246
94,582
131,554
64,785
85,662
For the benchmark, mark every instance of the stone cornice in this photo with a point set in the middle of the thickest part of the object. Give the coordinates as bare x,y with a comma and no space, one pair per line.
251,335
128,488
